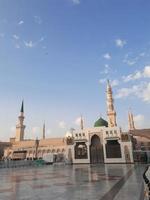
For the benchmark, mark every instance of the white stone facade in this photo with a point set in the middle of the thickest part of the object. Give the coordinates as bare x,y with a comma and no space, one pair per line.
104,134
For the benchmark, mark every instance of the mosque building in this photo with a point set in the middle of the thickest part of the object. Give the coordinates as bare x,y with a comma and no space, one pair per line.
103,143
140,141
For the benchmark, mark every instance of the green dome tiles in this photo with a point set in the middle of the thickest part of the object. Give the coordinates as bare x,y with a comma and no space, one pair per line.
101,122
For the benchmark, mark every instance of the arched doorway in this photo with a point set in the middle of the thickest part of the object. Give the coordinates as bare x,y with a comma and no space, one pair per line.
96,150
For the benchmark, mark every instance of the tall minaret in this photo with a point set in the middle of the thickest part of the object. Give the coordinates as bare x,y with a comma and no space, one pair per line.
44,131
111,113
81,123
20,126
131,121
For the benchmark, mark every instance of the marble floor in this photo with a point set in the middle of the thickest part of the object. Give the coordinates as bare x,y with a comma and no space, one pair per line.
77,182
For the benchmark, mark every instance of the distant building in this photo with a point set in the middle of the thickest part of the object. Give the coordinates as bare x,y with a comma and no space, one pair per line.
140,140
3,145
103,143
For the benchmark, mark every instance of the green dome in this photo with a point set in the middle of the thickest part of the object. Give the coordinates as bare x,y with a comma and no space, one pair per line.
101,122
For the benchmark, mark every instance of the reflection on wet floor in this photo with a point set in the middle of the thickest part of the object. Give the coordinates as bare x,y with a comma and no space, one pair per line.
84,182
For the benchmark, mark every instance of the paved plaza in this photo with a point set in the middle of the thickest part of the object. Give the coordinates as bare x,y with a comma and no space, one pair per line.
77,182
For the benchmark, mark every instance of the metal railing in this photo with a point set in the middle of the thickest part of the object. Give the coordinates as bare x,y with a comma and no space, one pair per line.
19,163
146,177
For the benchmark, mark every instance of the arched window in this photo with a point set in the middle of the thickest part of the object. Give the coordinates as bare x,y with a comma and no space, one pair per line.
80,150
53,151
48,151
58,150
113,149
63,150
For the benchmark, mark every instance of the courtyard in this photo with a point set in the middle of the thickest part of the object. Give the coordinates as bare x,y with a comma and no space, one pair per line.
73,182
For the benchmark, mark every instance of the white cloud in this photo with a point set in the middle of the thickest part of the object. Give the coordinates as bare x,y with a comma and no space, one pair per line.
78,121
62,124
13,129
146,72
139,121
76,1
37,19
125,92
120,43
138,75
114,82
142,54
107,66
20,22
16,37
17,46
106,69
142,91
36,130
29,44
146,93
107,56
48,132
41,39
102,81
130,62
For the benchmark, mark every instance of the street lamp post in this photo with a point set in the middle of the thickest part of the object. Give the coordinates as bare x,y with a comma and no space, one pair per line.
36,147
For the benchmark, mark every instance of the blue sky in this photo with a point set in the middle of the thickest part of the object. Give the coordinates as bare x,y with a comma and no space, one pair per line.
57,55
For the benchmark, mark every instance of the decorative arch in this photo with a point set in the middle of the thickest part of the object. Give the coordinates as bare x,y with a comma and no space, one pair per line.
95,139
96,150
53,150
58,150
63,150
48,151
43,152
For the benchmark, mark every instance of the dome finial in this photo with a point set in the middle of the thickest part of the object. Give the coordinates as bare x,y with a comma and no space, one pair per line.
100,115
108,82
22,107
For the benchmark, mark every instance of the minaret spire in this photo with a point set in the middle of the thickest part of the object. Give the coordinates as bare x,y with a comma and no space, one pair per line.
20,126
111,113
81,123
131,121
22,107
44,131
